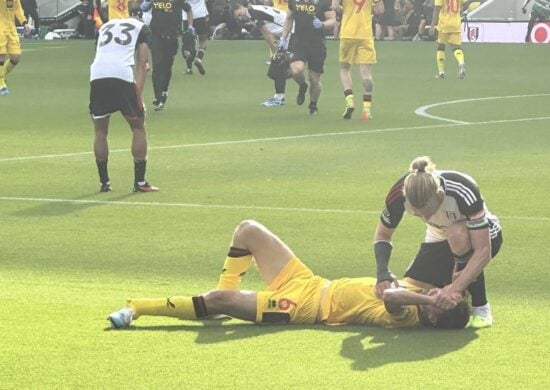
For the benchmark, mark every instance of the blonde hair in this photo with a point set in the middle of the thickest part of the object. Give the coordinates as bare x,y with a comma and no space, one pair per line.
420,184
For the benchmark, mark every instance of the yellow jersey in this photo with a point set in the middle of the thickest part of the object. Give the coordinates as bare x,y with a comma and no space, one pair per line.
356,19
449,15
9,10
354,301
281,5
118,9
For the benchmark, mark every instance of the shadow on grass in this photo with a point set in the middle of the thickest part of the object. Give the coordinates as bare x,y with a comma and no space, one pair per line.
369,347
55,208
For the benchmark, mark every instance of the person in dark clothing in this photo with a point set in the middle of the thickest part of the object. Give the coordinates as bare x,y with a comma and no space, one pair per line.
30,8
310,20
166,26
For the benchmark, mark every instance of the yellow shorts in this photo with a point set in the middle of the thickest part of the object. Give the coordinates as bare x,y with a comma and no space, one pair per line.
9,43
357,51
293,297
449,38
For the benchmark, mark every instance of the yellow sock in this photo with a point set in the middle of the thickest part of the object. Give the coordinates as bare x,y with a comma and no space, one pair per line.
2,76
349,101
459,55
440,61
366,105
8,67
185,308
236,264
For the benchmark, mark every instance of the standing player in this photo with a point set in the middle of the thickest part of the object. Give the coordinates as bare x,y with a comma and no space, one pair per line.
448,20
9,40
310,20
270,22
357,47
121,44
540,12
166,27
461,235
200,22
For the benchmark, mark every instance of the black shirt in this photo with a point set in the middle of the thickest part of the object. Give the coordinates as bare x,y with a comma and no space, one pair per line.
166,16
303,12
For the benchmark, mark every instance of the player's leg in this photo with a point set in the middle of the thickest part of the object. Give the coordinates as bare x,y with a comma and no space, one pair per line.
188,50
366,58
135,116
201,51
237,304
139,153
11,63
345,78
3,88
297,67
314,91
345,55
316,65
201,26
368,86
171,49
101,151
455,42
440,54
159,66
253,241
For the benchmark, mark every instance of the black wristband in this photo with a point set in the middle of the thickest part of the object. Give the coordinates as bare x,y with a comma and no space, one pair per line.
382,253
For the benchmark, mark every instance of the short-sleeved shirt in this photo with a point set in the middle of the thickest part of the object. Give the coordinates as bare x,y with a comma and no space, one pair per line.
449,16
356,19
116,47
462,202
272,18
9,10
118,9
166,16
303,12
296,296
354,301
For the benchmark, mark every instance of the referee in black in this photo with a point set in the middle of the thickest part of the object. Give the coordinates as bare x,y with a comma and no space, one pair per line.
166,26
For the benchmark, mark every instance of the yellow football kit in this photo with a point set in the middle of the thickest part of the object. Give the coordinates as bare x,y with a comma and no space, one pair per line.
9,39
356,40
449,24
118,9
354,301
298,296
281,5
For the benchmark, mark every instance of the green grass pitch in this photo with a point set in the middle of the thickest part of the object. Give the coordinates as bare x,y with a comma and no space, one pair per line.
69,255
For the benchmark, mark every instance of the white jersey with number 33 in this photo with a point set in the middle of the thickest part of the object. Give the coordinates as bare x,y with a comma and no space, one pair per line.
115,51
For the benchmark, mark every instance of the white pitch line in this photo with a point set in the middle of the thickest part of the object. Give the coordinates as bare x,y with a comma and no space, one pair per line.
185,205
217,206
236,142
284,138
422,111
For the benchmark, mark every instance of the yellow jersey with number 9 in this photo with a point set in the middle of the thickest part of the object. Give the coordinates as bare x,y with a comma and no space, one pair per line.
449,15
356,19
118,9
281,5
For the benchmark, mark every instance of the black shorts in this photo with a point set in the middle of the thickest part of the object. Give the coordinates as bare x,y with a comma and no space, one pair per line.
110,95
314,55
201,25
434,262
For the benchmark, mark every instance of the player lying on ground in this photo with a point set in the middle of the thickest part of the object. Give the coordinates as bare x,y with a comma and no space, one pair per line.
294,294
